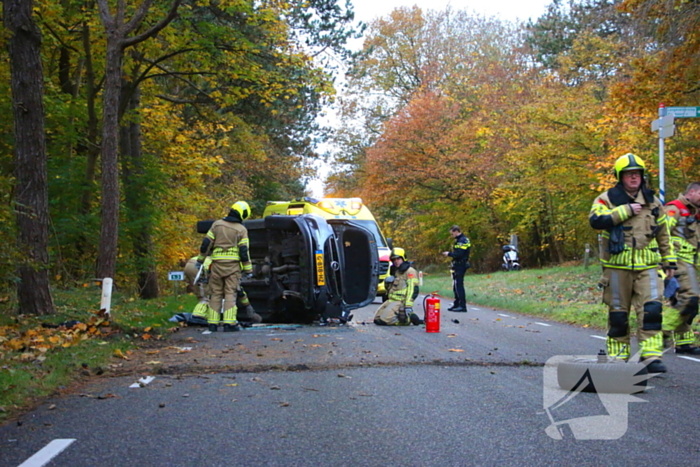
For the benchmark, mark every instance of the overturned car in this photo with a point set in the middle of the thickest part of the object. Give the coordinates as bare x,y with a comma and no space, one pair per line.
306,268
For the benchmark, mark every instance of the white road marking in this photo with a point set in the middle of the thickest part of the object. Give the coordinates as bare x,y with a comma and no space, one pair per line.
598,337
143,381
544,324
472,307
505,316
47,453
689,358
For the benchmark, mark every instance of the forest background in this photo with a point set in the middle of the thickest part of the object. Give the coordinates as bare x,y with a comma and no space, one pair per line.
447,118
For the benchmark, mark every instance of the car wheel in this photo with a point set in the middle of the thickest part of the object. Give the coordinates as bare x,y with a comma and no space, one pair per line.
587,375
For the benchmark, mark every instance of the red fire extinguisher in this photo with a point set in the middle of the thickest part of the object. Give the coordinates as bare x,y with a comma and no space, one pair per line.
432,314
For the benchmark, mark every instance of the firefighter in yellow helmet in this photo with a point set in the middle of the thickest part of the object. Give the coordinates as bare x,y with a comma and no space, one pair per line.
402,289
631,218
683,216
227,244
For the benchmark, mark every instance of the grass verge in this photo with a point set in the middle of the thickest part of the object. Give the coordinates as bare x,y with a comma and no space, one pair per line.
42,355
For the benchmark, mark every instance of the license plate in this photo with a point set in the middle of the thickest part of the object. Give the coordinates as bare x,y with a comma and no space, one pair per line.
320,271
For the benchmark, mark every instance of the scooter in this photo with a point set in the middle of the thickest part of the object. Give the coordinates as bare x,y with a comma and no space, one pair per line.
511,262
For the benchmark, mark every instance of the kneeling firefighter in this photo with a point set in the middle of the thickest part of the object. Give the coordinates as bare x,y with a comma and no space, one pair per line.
246,315
402,289
227,243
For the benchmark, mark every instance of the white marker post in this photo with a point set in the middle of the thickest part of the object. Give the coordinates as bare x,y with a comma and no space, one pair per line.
106,302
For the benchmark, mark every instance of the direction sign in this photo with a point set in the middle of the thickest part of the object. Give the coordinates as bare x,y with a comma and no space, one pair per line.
683,112
662,122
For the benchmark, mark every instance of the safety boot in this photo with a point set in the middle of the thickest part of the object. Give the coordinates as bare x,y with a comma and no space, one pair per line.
213,327
688,349
656,366
231,327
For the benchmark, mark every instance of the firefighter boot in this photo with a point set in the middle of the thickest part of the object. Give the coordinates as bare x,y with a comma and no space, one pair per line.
656,366
213,327
231,327
688,349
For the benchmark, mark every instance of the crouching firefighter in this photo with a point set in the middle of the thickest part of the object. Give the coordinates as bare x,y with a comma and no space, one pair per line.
246,313
402,290
631,217
683,216
227,244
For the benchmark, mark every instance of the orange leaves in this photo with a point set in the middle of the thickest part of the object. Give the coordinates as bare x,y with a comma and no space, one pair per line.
33,343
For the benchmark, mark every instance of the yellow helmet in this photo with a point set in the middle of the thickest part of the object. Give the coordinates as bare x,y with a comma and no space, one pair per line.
242,208
628,162
398,253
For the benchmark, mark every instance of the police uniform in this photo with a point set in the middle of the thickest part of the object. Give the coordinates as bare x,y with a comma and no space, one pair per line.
227,241
630,260
398,309
460,264
683,219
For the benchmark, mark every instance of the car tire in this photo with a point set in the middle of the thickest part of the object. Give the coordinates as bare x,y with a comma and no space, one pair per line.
611,378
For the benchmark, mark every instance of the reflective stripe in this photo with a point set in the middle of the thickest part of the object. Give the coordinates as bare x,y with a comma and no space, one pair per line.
617,349
615,290
685,338
652,347
653,286
230,254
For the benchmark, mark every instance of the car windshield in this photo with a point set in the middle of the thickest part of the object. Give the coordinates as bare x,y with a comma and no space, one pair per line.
374,228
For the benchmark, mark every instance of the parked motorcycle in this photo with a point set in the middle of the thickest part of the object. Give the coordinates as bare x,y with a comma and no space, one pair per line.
511,261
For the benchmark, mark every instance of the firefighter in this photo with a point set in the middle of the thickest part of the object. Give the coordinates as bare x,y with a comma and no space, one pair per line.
402,289
631,217
248,316
227,244
460,264
683,216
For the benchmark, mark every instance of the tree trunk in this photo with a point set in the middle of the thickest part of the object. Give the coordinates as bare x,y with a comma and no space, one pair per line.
109,234
31,179
136,196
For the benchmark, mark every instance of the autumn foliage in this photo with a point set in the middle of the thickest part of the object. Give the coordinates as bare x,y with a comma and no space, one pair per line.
513,129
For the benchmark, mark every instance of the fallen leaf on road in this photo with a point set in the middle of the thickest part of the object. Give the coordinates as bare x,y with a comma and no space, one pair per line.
452,335
52,406
310,389
233,384
119,354
284,404
456,350
340,375
153,362
273,388
152,352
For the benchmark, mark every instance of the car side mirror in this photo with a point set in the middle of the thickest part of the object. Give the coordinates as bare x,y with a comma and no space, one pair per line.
390,243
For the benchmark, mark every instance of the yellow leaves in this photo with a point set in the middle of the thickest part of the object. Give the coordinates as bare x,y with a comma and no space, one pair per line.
119,354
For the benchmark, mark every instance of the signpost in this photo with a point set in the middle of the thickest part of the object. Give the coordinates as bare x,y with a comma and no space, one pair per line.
176,276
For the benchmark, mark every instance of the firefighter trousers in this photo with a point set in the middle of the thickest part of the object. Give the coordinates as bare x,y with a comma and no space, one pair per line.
223,285
685,305
623,290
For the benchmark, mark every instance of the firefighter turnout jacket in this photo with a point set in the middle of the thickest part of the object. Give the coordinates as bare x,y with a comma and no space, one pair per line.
404,289
628,240
228,241
683,220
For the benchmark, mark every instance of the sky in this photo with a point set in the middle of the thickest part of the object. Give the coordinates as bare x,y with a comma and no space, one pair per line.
509,10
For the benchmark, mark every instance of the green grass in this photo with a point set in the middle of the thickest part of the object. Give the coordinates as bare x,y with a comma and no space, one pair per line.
25,380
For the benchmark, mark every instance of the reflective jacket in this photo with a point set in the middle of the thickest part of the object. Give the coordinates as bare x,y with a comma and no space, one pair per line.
636,249
227,240
460,251
405,286
683,220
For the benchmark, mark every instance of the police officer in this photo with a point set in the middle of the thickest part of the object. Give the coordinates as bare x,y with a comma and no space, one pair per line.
631,217
683,216
460,264
402,289
227,243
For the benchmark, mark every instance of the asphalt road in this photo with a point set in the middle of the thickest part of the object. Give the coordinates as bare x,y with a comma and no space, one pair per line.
473,394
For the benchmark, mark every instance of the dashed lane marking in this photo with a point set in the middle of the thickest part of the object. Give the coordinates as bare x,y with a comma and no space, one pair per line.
505,316
47,453
689,358
544,324
598,337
